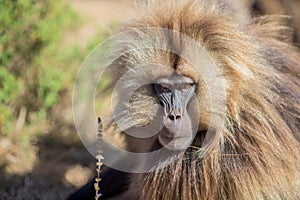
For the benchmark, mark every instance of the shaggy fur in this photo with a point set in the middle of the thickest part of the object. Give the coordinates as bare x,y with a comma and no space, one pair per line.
256,155
288,7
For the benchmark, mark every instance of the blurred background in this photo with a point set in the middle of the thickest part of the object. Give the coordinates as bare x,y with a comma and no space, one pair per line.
42,45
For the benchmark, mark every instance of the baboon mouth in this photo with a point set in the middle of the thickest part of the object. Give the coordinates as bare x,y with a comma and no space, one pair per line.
172,137
172,142
175,142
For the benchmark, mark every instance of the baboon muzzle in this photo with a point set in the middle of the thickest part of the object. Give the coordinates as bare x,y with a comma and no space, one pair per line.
175,103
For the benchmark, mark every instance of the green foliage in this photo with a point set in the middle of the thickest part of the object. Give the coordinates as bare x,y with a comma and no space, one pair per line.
37,71
30,71
9,86
30,32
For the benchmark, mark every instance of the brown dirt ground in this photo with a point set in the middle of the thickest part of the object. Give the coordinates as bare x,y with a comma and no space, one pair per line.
97,14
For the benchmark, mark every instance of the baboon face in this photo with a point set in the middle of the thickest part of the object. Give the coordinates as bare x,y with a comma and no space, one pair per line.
174,94
168,91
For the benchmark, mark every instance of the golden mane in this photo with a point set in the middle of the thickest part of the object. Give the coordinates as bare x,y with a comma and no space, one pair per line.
257,156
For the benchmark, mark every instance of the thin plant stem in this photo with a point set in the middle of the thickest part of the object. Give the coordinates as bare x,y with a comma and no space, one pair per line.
99,161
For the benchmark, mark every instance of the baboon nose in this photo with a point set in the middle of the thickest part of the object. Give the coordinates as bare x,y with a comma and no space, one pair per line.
174,117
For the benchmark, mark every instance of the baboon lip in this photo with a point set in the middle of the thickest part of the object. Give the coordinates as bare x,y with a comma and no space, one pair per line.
172,137
174,143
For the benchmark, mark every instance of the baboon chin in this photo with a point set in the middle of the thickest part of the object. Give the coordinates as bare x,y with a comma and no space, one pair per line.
254,153
175,143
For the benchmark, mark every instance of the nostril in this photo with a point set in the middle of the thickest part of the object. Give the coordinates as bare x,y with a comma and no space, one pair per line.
174,117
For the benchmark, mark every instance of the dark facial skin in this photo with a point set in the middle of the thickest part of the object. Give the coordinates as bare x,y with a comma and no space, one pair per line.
174,95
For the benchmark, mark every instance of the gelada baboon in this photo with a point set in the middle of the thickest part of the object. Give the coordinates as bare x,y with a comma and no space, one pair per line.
256,155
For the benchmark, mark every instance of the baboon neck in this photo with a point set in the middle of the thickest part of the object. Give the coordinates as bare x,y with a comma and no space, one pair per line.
175,180
219,176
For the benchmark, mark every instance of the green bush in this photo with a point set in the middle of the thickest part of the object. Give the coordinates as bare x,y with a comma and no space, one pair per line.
32,63
37,71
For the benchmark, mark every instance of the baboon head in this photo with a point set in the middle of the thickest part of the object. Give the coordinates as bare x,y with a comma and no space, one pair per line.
168,95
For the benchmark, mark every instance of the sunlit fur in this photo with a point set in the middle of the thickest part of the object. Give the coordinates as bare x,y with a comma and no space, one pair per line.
257,155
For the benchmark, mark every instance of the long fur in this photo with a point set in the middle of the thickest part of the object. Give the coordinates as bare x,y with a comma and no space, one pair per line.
257,155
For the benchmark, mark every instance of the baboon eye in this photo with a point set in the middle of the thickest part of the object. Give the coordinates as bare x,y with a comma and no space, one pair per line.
186,86
164,87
